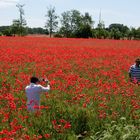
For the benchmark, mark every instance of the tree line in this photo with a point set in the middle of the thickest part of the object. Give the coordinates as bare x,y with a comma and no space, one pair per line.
70,24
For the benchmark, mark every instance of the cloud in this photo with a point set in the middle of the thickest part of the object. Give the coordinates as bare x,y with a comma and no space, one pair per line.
7,3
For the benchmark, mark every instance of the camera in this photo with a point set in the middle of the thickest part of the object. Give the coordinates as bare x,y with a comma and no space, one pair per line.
45,80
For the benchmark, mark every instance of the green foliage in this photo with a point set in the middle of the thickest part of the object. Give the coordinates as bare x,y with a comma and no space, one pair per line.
115,33
118,31
134,33
71,21
17,29
1,34
87,20
74,24
100,33
58,35
118,131
66,28
38,30
7,32
85,31
81,122
3,28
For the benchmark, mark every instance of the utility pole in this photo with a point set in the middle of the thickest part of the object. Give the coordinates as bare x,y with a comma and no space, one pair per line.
100,17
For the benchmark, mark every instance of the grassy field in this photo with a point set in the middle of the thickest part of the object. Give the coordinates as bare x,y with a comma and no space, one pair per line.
91,97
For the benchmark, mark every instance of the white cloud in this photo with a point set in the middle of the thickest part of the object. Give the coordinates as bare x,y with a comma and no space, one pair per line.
7,3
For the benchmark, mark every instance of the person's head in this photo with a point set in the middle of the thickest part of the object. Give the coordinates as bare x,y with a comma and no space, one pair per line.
34,80
137,61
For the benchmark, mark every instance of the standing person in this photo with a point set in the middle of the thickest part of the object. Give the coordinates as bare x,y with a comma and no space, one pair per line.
33,92
134,71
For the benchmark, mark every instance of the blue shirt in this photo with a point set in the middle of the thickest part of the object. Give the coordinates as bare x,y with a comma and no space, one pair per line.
135,73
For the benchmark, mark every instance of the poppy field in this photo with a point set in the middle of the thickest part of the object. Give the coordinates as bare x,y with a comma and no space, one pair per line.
91,96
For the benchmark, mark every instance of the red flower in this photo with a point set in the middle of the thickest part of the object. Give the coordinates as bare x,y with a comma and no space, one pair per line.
47,136
67,125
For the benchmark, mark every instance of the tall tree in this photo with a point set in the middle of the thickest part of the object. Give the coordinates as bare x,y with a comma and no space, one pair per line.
87,19
76,21
119,29
71,22
85,27
66,28
21,22
51,23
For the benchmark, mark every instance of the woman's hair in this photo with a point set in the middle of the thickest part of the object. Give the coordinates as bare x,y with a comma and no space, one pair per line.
34,80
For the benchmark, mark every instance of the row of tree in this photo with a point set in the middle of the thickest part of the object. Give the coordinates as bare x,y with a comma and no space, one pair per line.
70,24
15,31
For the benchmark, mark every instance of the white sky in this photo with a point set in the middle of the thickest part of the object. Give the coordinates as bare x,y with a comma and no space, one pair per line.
126,12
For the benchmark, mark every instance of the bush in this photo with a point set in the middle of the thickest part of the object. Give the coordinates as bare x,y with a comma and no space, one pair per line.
58,35
7,32
0,34
81,122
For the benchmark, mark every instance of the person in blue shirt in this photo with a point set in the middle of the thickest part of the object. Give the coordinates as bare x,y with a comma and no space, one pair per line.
134,72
